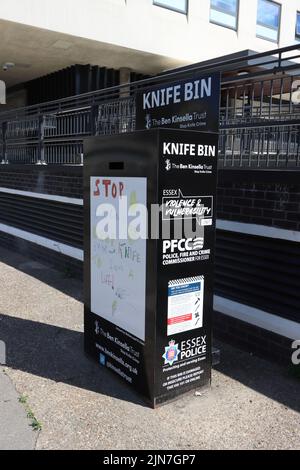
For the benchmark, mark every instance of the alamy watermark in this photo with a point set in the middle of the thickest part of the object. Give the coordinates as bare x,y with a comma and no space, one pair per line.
183,218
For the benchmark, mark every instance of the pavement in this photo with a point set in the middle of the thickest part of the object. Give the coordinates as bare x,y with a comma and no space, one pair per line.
252,404
15,425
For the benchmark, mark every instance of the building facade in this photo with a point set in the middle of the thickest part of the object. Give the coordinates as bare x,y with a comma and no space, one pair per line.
143,36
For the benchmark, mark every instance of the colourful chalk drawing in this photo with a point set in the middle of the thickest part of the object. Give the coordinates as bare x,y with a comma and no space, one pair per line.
118,267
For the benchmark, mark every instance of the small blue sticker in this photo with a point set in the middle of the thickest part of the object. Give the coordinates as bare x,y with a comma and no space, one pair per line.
102,359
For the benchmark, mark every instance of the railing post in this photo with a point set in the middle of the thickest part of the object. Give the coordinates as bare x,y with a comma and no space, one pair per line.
94,118
41,145
4,148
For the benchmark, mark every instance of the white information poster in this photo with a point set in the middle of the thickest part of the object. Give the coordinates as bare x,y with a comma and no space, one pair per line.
185,304
118,264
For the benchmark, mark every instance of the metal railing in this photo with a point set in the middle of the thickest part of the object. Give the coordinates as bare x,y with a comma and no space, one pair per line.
259,118
260,124
263,147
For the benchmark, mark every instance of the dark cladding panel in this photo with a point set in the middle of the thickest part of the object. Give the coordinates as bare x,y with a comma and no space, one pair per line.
53,220
260,272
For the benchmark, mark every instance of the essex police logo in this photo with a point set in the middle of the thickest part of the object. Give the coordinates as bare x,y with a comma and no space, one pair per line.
171,353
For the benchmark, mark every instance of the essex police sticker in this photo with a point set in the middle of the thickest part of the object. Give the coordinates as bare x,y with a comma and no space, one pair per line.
171,353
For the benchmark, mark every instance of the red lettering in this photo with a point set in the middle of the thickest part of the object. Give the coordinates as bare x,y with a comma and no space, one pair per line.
97,190
110,189
114,191
106,183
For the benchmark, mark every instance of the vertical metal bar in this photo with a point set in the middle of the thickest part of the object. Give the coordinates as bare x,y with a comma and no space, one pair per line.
291,94
244,100
251,146
281,94
258,149
4,149
93,118
252,99
298,146
232,153
271,97
241,146
235,103
268,147
293,145
225,141
288,147
278,147
261,98
41,155
263,145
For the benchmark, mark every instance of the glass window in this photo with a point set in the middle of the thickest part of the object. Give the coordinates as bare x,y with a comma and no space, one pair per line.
268,20
298,25
177,5
224,12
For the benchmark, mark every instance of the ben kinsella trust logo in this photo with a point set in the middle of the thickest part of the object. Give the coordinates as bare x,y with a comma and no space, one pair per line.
168,164
148,121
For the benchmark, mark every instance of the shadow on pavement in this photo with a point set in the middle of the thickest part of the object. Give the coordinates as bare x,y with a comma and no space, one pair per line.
260,375
61,281
57,354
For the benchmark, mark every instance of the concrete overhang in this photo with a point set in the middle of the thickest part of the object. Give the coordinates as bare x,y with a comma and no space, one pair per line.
37,52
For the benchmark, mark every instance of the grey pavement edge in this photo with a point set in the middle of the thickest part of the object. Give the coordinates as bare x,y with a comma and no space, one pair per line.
16,433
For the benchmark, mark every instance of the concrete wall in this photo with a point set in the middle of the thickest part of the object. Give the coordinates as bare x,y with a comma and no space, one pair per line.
142,26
